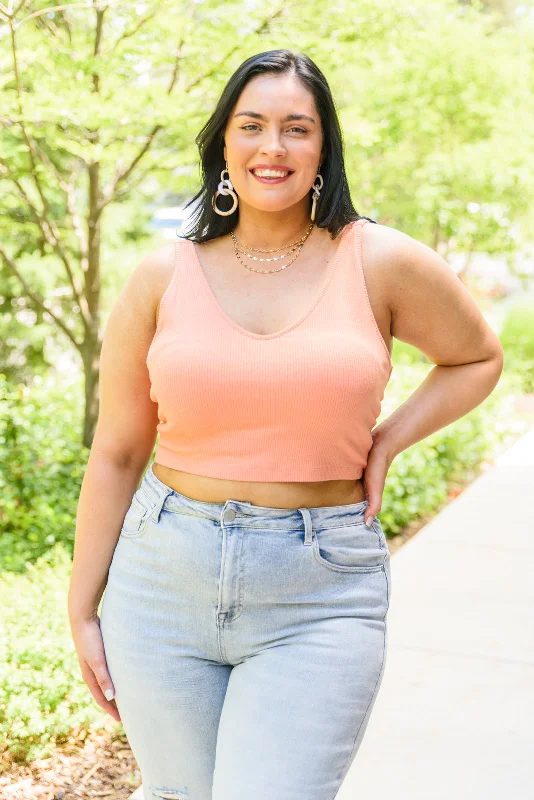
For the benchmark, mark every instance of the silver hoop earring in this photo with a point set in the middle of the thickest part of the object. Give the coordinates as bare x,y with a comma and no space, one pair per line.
316,193
226,189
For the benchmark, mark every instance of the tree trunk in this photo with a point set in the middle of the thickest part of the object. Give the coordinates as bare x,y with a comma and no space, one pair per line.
93,340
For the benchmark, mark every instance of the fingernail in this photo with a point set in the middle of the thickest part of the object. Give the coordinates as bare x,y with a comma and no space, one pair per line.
109,694
369,521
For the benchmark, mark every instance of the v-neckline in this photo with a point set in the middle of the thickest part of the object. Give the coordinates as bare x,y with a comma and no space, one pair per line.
330,274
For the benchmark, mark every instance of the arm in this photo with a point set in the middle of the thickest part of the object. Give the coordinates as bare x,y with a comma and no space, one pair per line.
432,310
125,432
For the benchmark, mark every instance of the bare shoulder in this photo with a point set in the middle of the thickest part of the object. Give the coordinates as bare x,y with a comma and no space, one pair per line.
430,306
127,421
154,273
387,248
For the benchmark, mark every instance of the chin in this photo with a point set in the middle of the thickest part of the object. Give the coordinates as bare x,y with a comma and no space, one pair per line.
273,206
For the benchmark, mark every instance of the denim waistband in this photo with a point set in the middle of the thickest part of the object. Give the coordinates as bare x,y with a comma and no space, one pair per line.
248,514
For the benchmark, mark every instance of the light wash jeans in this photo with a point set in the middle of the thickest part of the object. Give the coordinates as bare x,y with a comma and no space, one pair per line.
246,644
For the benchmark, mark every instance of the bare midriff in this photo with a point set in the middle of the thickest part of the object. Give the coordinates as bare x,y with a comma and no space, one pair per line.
271,495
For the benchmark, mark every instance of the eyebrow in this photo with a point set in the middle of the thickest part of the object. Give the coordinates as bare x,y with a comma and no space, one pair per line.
288,118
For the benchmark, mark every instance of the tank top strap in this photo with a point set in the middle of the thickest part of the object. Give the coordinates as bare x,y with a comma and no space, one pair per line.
353,285
169,298
351,266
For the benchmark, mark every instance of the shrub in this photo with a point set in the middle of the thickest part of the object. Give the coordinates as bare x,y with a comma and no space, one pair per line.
420,478
42,694
43,464
517,338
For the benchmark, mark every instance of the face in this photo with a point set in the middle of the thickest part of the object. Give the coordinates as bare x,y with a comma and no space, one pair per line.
271,140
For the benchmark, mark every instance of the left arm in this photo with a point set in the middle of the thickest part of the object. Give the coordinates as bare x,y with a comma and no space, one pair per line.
432,310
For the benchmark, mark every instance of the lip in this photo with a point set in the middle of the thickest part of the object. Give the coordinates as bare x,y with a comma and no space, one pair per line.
272,166
271,181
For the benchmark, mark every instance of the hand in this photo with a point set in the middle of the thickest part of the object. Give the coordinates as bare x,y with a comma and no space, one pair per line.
89,646
374,478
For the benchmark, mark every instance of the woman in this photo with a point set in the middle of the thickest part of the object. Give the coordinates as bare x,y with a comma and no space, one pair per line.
243,628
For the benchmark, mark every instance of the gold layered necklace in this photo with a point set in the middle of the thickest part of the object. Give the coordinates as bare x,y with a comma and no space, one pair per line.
292,247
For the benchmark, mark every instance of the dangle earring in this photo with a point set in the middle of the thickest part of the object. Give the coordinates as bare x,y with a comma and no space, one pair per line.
316,193
225,188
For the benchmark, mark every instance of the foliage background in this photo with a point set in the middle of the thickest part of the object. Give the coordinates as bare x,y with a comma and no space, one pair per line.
100,103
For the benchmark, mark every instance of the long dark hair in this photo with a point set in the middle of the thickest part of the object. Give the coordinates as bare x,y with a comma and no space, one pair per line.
334,208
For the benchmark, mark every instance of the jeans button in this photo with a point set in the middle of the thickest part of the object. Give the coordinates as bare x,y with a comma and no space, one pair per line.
229,515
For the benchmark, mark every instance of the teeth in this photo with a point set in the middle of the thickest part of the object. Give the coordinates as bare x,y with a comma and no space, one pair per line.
269,173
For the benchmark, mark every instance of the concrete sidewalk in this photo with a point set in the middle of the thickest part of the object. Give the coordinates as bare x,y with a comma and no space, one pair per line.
454,718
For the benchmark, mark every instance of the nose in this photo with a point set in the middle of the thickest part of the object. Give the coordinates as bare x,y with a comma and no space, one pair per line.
273,147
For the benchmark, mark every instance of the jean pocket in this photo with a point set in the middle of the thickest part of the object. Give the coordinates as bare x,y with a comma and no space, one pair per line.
355,547
136,518
377,526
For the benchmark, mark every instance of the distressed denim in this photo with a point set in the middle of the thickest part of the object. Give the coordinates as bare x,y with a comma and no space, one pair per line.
246,644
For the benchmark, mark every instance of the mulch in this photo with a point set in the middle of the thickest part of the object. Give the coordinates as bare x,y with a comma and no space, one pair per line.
99,764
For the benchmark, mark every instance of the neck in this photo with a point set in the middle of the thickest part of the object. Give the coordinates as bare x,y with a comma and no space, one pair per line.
271,229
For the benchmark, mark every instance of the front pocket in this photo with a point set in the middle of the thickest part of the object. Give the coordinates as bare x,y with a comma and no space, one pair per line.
349,548
135,521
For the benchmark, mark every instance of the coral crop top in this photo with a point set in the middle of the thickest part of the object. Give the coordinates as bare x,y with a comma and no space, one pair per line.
295,405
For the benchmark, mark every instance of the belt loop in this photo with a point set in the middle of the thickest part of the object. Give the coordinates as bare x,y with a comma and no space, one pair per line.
308,528
159,505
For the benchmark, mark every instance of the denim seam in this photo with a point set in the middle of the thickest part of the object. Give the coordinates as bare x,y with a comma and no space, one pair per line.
318,530
190,514
139,533
241,581
365,716
387,592
219,621
147,513
220,639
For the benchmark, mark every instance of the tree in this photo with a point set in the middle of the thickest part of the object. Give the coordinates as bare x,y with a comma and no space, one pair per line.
96,96
435,99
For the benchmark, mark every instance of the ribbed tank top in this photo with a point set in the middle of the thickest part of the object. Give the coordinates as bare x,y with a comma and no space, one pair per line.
296,405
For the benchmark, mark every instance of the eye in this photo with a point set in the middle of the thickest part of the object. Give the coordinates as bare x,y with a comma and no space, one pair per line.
253,125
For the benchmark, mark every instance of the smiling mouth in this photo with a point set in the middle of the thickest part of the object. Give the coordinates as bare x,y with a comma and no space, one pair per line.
269,179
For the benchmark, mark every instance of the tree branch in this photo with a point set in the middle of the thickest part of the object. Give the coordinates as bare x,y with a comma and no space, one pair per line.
42,11
260,29
133,31
134,183
16,11
53,241
68,189
37,300
45,219
67,25
109,192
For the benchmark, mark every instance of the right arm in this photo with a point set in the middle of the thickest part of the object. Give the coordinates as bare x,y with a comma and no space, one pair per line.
123,443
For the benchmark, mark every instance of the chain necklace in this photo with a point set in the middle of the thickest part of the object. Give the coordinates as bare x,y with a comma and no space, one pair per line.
295,246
